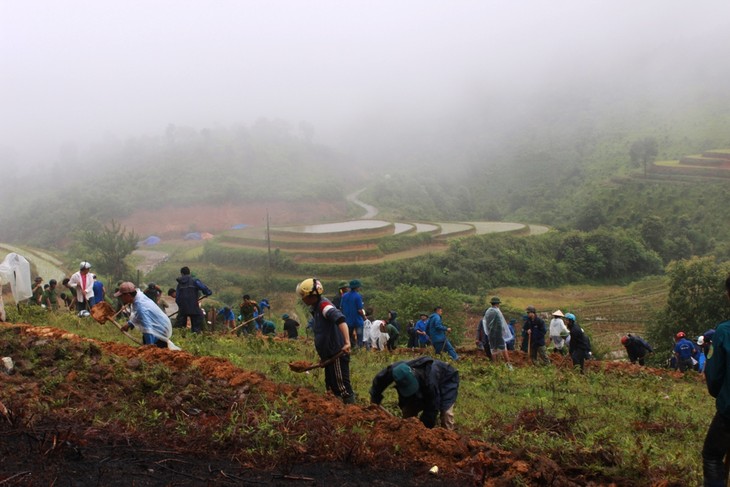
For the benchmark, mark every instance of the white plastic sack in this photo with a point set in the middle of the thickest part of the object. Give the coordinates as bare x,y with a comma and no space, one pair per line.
15,269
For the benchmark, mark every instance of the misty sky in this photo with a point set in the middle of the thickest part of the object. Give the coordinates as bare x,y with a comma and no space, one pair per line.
77,71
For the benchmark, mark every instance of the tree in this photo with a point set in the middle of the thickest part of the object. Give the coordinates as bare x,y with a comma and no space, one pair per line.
107,248
696,300
644,152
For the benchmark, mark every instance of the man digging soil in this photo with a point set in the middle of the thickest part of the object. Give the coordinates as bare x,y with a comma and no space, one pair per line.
154,323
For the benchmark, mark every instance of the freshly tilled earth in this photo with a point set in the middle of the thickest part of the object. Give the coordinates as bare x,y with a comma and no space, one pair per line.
75,411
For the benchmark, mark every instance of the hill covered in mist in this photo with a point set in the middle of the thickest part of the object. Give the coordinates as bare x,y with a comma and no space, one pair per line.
182,167
560,159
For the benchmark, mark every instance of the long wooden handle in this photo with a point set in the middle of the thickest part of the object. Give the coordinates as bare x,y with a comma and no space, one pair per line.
127,334
244,323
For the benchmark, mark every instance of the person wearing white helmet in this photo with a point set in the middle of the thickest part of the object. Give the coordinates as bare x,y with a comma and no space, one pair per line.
83,285
331,338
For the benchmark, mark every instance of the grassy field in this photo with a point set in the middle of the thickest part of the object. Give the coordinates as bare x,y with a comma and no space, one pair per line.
637,426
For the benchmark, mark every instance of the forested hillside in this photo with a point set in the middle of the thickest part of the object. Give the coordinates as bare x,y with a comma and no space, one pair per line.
268,161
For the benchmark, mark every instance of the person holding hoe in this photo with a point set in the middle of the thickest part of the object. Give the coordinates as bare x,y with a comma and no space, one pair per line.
154,323
331,339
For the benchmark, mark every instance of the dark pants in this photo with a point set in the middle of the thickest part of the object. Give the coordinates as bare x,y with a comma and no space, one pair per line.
196,322
579,359
685,364
635,359
485,345
717,444
337,379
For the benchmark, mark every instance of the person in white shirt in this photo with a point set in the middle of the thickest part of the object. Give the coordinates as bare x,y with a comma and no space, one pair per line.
83,283
558,332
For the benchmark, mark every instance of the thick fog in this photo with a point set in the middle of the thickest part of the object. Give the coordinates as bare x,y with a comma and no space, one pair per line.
76,72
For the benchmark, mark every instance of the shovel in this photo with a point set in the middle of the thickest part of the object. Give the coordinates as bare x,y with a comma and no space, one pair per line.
103,312
305,366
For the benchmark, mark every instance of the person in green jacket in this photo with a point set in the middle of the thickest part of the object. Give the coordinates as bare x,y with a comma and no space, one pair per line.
393,335
717,441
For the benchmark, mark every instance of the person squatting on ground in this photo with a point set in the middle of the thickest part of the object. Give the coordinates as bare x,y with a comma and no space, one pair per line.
717,441
423,384
83,285
354,310
497,331
580,346
636,348
536,330
684,352
186,296
558,331
153,322
437,331
331,336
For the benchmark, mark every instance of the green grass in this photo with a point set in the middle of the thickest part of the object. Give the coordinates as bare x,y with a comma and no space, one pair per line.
637,427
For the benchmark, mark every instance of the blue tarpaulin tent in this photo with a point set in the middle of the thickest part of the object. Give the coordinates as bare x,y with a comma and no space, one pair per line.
193,236
239,226
151,240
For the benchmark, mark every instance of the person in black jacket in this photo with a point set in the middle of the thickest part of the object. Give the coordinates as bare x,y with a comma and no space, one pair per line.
186,297
580,345
536,331
636,347
423,384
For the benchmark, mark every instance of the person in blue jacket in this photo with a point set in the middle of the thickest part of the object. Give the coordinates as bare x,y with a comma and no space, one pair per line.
228,317
353,308
684,352
424,385
437,331
511,343
636,348
717,441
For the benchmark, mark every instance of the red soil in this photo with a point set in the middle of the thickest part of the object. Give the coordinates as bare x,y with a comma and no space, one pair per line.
174,222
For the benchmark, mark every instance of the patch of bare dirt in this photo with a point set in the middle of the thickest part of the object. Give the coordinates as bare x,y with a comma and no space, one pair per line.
89,434
175,222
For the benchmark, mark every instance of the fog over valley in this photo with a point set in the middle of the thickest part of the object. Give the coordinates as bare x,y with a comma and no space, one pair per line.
385,83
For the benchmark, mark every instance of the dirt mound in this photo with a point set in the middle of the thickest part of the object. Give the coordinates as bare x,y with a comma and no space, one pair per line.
93,412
